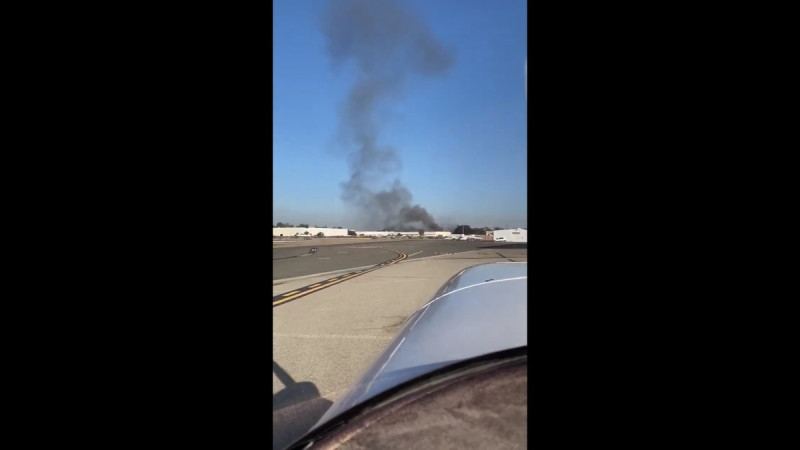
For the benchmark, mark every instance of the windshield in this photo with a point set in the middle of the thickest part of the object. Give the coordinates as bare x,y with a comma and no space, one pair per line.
399,160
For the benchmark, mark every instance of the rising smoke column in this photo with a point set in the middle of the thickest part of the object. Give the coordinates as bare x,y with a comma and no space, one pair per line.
387,43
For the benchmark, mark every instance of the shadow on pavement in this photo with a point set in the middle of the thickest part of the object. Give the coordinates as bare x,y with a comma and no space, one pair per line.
295,408
508,246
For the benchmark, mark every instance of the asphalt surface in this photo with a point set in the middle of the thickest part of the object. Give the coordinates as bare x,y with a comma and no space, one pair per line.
314,258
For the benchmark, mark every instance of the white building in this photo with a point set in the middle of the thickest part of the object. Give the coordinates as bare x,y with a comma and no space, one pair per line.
376,233
312,231
437,234
513,235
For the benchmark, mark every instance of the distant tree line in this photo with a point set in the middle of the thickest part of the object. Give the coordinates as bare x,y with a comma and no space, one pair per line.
466,229
302,225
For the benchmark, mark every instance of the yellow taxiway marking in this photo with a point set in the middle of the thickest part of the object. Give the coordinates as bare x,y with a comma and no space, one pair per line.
324,284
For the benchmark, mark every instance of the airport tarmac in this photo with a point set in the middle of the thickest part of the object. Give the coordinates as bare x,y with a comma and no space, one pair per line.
301,242
302,258
322,342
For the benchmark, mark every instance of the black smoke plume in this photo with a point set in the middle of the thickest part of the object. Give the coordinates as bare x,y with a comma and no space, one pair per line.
387,43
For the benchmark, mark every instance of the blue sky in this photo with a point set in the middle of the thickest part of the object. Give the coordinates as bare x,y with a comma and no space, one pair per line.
461,137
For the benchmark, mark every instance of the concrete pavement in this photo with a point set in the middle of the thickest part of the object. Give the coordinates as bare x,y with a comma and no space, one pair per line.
324,341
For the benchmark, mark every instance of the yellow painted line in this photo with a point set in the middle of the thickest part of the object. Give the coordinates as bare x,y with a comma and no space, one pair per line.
330,282
306,292
349,277
397,260
290,293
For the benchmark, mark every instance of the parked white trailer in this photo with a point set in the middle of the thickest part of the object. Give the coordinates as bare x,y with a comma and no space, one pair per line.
512,235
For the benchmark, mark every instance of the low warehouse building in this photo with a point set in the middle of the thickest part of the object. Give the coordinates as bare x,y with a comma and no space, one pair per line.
438,234
413,234
310,231
512,235
375,233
